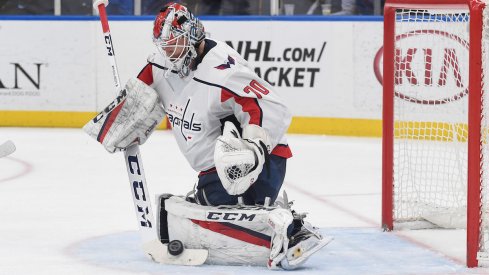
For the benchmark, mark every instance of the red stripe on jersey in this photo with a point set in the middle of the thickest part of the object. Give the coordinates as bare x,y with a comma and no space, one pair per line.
232,232
282,151
248,104
212,170
168,123
109,121
146,74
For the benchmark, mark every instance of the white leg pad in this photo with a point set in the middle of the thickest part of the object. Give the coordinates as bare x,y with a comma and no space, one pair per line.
234,235
279,220
239,234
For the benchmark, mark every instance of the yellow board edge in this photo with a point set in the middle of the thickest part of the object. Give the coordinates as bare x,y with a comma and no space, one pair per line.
357,127
300,125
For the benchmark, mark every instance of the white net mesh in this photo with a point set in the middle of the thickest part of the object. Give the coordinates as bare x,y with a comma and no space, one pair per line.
430,117
484,233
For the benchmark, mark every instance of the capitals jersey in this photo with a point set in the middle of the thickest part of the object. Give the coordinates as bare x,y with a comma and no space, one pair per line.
222,86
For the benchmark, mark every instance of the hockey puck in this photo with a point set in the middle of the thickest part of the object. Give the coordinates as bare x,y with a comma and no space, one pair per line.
175,247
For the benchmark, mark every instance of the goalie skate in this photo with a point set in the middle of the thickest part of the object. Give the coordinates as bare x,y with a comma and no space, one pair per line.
159,253
304,245
304,242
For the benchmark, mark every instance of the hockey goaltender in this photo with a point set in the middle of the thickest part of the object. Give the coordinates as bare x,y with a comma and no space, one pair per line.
230,125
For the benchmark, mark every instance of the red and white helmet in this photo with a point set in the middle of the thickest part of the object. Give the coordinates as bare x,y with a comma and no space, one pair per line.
177,33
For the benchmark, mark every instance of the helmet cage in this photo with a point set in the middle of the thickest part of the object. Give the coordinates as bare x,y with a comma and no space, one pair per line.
172,35
177,50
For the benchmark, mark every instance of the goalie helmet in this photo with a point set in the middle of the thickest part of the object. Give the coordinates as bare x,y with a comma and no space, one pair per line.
177,33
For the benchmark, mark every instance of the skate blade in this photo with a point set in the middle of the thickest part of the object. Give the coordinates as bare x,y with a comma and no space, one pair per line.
324,241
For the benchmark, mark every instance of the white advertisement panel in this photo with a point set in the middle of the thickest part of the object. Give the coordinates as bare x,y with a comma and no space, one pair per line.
307,62
328,69
47,65
321,68
132,41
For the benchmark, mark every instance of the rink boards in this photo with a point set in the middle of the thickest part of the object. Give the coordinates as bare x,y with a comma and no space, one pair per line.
54,71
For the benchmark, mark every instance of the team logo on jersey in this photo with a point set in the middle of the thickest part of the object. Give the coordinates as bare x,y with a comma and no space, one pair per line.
226,65
179,118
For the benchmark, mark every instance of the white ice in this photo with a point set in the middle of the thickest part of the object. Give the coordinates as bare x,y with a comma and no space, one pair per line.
66,208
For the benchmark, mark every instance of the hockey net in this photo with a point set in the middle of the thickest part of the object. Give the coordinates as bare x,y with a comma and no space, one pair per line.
426,146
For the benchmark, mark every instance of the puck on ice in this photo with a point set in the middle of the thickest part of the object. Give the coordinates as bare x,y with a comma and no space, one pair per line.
175,247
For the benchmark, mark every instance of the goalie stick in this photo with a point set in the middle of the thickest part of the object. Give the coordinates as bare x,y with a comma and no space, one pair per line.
140,195
7,148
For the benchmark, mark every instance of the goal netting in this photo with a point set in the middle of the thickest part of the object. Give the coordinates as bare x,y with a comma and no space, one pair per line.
428,70
430,116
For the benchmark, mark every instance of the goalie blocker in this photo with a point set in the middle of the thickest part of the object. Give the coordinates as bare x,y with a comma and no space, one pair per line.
129,119
238,235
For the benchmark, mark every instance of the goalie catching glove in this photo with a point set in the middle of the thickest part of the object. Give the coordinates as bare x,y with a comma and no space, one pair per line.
239,161
129,119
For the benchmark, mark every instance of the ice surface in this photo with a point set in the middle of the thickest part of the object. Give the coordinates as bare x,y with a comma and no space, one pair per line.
66,208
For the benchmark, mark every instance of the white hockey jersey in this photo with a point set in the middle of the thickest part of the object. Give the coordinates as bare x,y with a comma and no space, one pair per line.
223,86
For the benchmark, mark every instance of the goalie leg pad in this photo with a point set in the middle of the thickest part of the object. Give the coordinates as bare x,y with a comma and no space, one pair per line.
234,235
242,235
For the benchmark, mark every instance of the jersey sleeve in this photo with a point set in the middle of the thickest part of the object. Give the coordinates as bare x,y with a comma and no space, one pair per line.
146,74
253,101
152,73
152,70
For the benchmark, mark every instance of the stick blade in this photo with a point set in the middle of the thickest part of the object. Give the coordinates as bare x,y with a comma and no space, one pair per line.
7,148
158,252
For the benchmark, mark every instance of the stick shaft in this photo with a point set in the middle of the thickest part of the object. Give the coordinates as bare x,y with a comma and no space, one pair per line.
132,155
109,46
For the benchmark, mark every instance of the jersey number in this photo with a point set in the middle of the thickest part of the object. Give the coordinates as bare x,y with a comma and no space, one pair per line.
256,88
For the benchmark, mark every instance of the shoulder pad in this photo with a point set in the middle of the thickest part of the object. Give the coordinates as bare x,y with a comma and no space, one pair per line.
220,64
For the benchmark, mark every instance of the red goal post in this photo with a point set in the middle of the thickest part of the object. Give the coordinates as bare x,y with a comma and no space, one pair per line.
415,143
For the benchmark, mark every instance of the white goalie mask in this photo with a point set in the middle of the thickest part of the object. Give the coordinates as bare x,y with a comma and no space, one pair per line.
176,34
